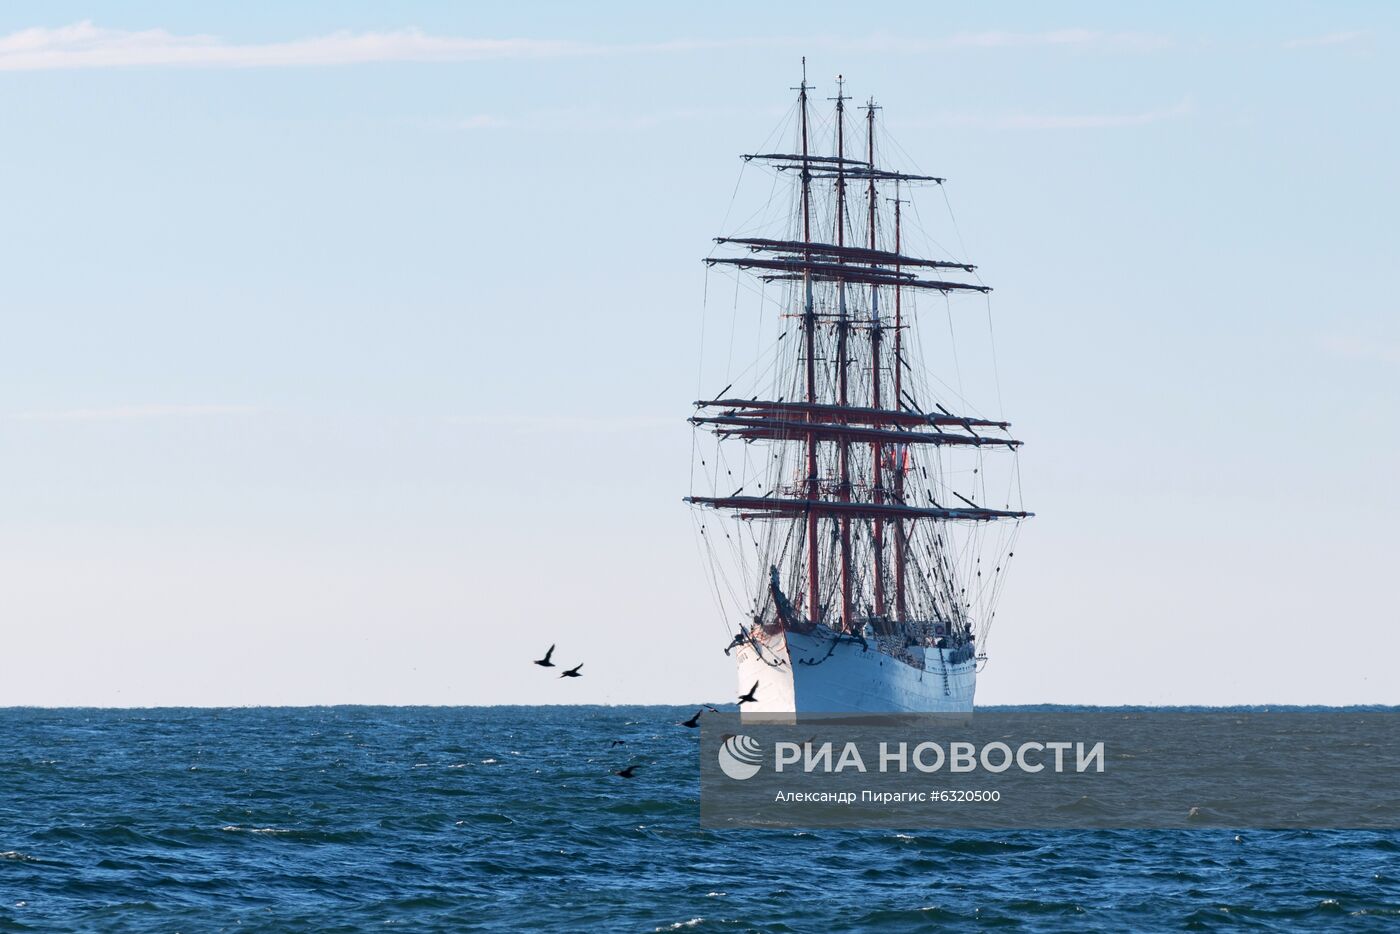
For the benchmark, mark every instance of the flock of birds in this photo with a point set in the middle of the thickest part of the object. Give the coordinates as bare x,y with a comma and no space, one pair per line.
692,723
546,663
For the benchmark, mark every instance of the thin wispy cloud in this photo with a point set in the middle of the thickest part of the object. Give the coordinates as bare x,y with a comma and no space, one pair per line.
87,45
1080,38
130,412
896,44
585,424
1080,121
1331,38
1355,348
597,119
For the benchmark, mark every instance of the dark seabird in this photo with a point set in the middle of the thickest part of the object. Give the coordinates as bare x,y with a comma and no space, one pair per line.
617,742
749,697
629,772
573,672
545,662
694,721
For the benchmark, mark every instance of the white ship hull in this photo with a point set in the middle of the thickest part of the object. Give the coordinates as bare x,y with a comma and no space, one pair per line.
804,674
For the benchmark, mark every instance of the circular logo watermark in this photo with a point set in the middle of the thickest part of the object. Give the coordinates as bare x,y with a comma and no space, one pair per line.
740,757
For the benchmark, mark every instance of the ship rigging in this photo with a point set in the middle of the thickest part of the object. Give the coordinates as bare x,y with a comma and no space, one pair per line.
863,510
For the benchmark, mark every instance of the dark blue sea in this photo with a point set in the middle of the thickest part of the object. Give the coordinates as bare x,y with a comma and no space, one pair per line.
452,819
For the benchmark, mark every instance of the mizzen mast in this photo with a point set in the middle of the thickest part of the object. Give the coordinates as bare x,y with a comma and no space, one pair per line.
899,541
842,334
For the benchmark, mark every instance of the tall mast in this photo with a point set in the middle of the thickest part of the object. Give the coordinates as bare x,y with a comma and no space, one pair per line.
809,327
877,449
842,329
899,464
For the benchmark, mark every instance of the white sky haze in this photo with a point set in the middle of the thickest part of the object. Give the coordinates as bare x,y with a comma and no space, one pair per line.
345,350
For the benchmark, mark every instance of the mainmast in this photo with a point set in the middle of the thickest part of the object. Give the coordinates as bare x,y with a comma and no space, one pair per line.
877,449
809,327
842,331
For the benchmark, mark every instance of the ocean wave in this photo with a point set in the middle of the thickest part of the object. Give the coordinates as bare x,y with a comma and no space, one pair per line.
313,820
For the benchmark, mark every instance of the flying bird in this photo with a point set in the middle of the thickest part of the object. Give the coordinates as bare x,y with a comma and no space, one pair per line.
694,721
617,742
573,672
545,662
629,772
749,697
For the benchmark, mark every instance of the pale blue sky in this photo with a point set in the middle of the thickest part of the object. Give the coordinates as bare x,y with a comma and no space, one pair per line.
345,348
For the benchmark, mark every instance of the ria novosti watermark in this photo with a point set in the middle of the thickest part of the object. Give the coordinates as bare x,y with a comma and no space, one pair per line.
740,757
1055,769
928,757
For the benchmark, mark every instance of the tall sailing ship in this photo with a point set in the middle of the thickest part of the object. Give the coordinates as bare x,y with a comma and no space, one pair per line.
865,544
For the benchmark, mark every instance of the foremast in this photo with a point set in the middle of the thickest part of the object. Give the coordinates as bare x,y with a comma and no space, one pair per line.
809,337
